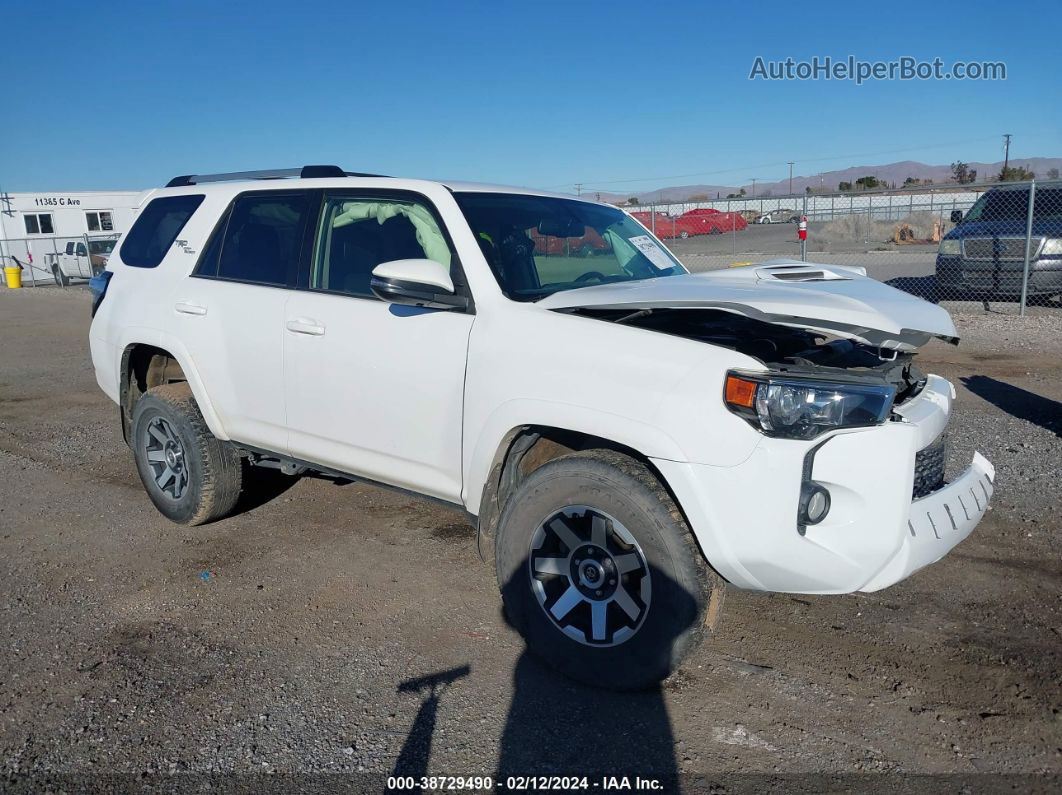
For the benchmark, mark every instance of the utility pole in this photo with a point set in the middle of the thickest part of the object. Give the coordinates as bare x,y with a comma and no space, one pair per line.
1006,152
578,189
790,177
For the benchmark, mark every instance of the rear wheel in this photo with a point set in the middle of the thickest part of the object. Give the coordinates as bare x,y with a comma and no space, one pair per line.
61,279
599,572
191,476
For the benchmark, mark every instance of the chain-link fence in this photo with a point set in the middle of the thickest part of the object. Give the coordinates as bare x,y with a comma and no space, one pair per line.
994,247
56,260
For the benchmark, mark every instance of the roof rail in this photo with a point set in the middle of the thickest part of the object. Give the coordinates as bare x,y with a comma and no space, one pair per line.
306,172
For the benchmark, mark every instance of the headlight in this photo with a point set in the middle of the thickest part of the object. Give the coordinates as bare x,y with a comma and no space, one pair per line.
797,408
1052,247
950,248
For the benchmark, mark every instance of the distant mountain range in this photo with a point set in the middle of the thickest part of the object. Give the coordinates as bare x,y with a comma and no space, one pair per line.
828,180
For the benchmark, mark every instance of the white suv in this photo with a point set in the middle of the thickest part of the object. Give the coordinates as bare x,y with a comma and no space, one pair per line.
627,436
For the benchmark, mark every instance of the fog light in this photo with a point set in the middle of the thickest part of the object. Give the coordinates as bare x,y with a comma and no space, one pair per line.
814,503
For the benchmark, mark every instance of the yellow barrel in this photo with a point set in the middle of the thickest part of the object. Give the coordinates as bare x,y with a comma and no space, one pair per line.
13,276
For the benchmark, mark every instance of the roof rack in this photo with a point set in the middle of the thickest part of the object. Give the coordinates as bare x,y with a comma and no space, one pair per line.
306,172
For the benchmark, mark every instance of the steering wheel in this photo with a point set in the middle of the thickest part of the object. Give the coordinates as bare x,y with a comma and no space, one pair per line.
591,275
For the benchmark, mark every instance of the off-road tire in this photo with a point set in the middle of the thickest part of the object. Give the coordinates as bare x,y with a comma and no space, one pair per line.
214,472
682,583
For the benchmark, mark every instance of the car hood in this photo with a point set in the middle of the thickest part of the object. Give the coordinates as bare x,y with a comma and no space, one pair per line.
1042,227
833,299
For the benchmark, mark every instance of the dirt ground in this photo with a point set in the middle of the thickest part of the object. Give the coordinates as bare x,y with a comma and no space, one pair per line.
288,639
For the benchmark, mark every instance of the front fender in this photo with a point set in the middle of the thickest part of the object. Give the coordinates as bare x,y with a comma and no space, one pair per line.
498,430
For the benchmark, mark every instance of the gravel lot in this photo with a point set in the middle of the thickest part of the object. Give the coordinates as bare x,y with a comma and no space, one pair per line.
285,640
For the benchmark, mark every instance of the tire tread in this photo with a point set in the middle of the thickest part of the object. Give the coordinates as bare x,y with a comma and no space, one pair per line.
222,472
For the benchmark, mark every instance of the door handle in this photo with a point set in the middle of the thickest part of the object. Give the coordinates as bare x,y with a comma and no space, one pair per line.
304,325
190,309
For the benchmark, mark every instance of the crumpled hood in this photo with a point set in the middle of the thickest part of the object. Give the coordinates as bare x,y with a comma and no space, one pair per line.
834,299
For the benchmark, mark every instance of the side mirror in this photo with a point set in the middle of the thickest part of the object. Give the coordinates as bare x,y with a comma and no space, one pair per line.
416,282
956,216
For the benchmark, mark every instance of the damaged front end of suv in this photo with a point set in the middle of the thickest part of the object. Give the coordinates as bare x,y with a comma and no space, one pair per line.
845,489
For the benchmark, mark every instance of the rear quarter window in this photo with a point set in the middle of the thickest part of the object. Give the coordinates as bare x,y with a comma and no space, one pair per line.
156,228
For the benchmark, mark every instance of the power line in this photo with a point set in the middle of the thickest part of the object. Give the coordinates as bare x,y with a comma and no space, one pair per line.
775,163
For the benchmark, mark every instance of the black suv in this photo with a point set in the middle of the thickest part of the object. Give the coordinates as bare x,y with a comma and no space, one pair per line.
985,253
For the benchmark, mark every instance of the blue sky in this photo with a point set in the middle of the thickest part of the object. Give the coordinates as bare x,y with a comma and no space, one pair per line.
126,95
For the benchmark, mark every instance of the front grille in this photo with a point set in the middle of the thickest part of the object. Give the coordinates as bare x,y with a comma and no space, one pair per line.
929,468
1000,248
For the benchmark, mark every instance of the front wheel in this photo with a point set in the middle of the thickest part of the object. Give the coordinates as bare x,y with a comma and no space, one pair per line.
599,572
192,476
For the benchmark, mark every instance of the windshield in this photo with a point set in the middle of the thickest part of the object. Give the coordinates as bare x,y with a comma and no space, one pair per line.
1013,205
101,246
539,245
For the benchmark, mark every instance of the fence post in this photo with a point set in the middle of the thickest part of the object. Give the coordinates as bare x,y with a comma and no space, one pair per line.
55,263
1028,246
804,242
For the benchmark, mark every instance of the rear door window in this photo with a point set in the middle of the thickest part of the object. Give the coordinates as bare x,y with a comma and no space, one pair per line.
261,241
156,228
358,233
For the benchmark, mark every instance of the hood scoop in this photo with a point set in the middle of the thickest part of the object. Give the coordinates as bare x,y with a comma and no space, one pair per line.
834,299
788,271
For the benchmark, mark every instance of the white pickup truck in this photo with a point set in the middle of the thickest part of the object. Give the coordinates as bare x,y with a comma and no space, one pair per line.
79,259
628,437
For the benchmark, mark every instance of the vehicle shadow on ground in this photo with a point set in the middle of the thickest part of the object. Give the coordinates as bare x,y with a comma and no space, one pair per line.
261,485
926,287
1017,402
558,727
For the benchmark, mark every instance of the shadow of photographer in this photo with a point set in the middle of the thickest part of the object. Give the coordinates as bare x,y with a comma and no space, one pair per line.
556,726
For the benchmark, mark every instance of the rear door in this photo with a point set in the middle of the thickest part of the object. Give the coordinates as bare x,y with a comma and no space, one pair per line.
376,389
231,312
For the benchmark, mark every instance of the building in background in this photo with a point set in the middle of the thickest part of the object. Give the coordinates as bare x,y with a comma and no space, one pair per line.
35,228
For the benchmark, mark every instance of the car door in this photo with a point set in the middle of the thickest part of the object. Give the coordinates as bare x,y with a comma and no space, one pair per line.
82,267
376,389
231,313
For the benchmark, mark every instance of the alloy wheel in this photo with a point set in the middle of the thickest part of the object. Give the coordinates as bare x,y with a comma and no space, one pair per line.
165,457
589,575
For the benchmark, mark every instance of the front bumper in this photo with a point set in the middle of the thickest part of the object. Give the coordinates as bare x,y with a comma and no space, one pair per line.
745,516
938,522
